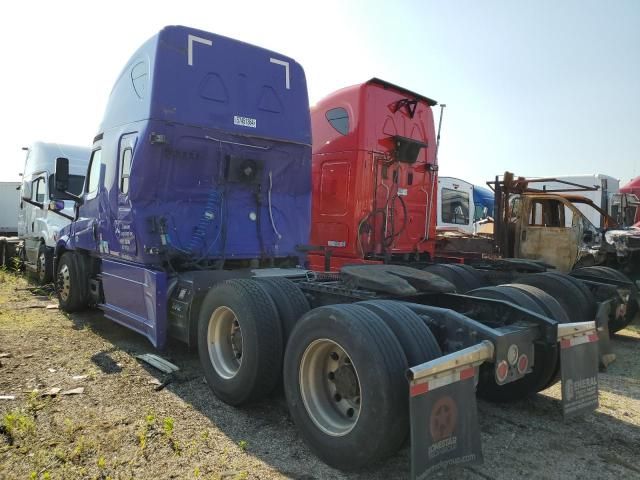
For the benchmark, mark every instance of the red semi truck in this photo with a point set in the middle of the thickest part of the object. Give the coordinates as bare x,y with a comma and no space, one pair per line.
374,177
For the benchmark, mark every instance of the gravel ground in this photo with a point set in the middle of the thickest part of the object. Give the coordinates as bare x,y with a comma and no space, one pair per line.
122,427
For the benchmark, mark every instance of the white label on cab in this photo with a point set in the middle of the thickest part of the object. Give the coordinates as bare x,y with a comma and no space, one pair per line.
245,121
336,243
403,192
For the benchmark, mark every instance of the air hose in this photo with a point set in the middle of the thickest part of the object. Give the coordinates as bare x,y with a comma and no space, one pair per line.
211,210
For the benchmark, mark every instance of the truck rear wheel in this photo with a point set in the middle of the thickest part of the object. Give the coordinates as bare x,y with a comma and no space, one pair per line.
71,283
345,385
563,290
461,278
289,300
545,357
44,265
240,341
631,306
415,338
552,309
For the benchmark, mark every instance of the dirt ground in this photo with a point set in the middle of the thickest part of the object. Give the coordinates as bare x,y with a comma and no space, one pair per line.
121,426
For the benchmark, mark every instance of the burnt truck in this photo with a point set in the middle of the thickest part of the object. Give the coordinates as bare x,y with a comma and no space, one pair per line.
194,221
562,226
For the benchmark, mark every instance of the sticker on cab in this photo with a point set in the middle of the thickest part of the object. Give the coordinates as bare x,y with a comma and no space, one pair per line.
245,121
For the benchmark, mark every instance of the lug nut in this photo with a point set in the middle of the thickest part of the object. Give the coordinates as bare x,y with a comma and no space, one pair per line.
350,412
331,376
334,356
337,397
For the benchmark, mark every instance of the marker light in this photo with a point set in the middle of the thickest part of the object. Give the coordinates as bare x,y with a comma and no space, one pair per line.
502,370
512,354
523,363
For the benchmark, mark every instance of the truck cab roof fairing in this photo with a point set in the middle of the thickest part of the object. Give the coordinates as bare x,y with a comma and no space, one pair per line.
187,76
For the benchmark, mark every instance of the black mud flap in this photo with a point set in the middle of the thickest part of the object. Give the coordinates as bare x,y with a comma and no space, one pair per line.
444,423
579,366
606,355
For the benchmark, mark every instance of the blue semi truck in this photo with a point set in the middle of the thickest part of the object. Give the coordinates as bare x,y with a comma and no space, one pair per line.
193,223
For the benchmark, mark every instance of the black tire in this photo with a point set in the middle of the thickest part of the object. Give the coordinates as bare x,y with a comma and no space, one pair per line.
416,339
549,305
563,290
289,300
553,310
44,265
462,279
382,422
72,283
632,306
261,344
479,275
545,356
587,295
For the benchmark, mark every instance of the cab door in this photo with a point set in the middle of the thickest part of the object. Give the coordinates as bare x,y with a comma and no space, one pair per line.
33,217
125,237
550,230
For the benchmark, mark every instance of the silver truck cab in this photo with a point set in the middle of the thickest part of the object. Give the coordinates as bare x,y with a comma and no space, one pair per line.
38,223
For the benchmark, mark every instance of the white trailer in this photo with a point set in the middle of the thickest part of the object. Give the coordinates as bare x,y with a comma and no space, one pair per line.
9,207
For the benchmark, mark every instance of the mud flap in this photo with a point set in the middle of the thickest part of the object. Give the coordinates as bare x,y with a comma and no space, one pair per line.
606,355
444,417
579,367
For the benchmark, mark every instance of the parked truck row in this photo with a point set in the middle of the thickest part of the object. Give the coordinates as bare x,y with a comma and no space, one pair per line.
209,215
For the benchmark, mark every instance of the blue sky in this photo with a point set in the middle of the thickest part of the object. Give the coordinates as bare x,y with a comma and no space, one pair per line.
538,87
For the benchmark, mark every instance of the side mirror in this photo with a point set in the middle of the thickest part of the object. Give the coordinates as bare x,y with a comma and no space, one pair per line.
61,175
587,237
56,205
26,191
485,212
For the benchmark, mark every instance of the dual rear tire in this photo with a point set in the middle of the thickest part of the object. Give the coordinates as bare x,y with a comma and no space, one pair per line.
343,368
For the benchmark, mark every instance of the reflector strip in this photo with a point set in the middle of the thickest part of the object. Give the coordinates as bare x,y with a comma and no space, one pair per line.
573,341
421,388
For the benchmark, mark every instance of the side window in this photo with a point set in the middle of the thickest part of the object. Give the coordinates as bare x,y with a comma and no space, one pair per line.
547,213
125,170
93,179
535,214
37,190
339,119
515,207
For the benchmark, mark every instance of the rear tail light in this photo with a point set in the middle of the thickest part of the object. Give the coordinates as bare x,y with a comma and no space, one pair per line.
523,363
502,370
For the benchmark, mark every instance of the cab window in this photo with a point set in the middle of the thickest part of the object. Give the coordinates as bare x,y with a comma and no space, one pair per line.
93,179
339,119
37,190
455,207
125,170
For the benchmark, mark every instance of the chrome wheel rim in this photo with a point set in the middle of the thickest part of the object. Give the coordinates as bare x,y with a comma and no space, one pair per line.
330,387
224,341
64,282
